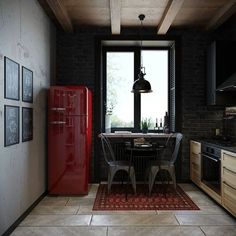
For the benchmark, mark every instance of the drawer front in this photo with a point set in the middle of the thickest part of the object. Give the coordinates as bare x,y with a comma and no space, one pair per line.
229,176
229,160
229,197
195,147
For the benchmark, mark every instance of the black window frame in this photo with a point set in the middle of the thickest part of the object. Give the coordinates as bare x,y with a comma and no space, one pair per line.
137,97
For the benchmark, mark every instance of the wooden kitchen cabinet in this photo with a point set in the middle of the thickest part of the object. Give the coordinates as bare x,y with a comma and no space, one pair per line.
195,162
228,180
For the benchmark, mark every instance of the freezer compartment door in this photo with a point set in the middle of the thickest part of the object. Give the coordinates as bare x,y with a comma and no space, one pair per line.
76,101
68,100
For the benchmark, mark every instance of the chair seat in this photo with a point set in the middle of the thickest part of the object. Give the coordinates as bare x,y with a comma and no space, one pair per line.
160,163
119,163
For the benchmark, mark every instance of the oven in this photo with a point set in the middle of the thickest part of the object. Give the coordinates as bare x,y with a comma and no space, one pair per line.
211,167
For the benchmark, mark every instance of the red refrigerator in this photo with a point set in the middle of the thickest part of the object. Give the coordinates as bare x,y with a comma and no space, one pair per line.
69,139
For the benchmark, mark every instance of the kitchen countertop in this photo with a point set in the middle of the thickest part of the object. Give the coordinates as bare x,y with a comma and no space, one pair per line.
218,144
230,149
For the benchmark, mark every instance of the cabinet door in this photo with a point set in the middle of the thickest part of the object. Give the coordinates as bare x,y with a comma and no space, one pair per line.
228,173
195,162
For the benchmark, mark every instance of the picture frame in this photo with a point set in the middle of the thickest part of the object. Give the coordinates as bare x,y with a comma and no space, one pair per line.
11,125
27,124
27,85
11,79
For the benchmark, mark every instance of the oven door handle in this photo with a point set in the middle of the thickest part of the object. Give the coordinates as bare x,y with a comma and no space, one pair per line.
215,160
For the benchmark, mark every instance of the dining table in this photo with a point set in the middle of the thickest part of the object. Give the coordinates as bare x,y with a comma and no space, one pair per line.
140,144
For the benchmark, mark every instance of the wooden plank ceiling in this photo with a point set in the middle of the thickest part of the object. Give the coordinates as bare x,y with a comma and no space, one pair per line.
162,14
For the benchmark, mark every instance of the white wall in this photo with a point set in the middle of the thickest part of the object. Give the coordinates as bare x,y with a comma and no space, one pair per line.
28,37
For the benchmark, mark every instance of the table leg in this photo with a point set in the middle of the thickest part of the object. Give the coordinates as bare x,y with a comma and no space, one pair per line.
128,177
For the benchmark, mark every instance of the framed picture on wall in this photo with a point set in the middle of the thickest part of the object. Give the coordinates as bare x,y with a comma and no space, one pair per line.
27,124
27,85
11,79
11,125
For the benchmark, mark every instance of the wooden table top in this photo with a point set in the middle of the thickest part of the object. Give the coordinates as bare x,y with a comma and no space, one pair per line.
138,135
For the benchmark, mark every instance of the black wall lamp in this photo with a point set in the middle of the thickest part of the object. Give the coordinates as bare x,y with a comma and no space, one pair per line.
141,85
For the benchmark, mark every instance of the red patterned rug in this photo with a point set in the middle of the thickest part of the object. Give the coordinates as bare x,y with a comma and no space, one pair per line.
163,197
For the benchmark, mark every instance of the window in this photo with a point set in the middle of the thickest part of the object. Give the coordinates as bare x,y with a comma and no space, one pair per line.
126,110
119,80
155,104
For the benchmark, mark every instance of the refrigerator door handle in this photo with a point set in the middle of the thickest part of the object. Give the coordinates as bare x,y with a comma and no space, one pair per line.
58,109
57,122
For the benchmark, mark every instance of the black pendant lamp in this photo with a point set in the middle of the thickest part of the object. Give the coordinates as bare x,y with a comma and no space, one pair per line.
141,85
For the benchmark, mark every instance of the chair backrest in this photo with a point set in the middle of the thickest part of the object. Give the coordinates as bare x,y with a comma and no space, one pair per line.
179,137
107,149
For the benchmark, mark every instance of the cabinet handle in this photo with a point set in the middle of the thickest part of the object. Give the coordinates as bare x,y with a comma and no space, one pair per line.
230,170
229,185
215,160
57,122
196,154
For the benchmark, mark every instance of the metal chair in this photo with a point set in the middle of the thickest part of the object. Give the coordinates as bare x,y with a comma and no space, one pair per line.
167,165
114,166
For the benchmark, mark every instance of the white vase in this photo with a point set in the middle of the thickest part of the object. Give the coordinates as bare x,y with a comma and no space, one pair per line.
108,124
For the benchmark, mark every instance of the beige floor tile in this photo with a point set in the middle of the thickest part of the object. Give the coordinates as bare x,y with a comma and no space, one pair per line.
88,210
188,187
202,200
60,231
56,220
124,212
219,230
155,231
129,220
55,198
197,194
81,202
205,220
54,210
54,201
93,189
203,210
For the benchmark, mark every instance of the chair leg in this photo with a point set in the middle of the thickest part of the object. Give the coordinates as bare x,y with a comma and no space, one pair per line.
133,179
172,173
146,177
152,176
111,174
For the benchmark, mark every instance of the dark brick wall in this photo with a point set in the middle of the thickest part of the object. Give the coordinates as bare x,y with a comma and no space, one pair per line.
76,65
228,31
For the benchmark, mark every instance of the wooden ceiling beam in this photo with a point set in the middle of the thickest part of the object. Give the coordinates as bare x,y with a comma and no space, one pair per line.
169,15
222,15
115,12
61,14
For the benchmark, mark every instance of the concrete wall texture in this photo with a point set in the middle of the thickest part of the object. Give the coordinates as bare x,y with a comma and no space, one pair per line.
27,36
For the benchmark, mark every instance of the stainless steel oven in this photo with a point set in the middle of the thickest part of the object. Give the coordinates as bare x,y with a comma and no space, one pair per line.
211,167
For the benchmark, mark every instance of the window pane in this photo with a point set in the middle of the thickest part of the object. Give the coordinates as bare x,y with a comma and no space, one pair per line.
155,104
120,77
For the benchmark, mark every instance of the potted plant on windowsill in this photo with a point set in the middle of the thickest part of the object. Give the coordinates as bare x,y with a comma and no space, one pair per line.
109,109
145,124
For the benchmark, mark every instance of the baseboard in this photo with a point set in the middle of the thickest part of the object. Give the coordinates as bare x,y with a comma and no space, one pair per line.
23,216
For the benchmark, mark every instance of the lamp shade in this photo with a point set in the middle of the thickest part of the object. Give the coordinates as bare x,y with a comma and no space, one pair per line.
141,85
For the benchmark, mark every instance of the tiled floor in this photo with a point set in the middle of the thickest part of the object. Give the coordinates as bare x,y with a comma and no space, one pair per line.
74,216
